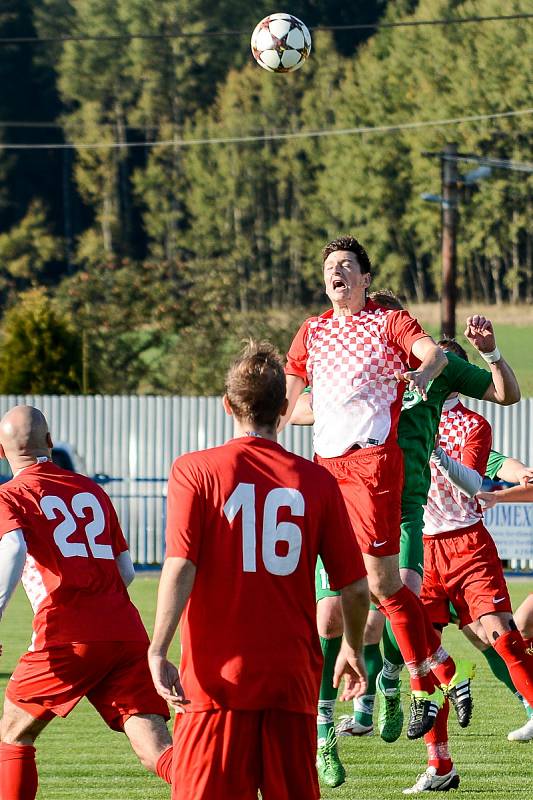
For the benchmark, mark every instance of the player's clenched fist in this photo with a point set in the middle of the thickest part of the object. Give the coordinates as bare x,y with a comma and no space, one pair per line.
480,333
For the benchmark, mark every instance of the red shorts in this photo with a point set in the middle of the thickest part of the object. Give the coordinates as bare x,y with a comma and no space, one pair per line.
371,482
225,754
114,676
463,568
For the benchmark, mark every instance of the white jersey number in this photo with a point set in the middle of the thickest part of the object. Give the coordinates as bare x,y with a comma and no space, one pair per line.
51,504
243,497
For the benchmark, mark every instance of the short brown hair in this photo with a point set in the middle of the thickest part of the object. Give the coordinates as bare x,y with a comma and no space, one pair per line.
351,244
255,384
386,299
454,347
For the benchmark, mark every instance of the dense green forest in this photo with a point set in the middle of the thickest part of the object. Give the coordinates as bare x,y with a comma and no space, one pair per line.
137,257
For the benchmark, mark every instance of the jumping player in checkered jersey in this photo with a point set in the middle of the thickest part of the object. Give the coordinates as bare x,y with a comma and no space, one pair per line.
88,638
246,522
358,357
462,566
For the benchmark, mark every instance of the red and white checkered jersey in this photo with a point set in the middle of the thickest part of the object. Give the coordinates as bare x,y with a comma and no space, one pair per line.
71,577
466,437
350,362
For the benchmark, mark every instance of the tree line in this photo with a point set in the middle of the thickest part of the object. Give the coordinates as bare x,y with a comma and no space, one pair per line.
149,262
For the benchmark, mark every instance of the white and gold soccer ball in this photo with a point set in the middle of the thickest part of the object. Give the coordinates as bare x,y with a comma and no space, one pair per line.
281,43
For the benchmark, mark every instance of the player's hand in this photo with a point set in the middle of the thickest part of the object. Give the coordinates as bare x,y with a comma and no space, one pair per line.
167,682
487,499
350,664
416,380
480,333
525,476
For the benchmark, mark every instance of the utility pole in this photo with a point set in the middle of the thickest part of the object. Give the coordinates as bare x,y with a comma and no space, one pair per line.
449,211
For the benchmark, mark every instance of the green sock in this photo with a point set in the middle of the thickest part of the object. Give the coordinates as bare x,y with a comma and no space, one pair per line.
363,706
392,659
498,668
328,695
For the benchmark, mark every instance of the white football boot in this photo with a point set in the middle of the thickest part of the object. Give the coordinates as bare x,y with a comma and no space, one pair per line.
523,734
429,781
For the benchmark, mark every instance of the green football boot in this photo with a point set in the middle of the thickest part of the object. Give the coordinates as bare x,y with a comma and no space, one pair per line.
390,714
328,764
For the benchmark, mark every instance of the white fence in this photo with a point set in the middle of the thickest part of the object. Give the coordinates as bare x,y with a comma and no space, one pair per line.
134,440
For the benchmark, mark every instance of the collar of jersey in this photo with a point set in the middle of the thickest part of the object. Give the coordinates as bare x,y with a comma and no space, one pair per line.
369,306
451,403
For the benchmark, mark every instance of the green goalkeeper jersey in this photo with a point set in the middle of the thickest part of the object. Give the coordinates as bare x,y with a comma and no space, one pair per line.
419,421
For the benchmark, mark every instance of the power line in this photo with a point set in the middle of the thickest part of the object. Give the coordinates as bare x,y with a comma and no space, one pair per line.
269,137
194,34
487,161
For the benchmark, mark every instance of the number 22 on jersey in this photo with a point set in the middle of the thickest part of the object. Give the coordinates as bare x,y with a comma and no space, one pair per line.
51,504
243,499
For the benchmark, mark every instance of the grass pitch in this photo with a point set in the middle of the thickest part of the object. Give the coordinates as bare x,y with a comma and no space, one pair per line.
80,757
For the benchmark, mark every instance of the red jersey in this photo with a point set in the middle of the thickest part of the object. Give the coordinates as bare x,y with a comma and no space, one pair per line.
71,578
253,518
466,437
350,363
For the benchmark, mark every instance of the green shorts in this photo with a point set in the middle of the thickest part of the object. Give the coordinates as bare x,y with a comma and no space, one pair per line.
322,582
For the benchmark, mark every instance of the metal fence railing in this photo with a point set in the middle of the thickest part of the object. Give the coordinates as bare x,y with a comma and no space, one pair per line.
134,439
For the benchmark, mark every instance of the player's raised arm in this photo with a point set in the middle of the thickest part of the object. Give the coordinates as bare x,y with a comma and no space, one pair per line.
175,586
504,388
514,494
514,471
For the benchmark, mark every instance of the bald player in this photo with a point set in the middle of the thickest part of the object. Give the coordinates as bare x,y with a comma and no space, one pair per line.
88,638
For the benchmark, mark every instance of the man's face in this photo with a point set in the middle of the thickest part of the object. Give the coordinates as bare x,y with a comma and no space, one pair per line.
343,277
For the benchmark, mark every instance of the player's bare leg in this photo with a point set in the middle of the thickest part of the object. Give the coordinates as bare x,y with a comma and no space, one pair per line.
151,743
330,629
406,613
18,770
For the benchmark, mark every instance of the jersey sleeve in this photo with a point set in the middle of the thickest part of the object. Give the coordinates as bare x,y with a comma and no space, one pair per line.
339,549
11,515
477,446
494,464
466,378
297,355
184,512
404,330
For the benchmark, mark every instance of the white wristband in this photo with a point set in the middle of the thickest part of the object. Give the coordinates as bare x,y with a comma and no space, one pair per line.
491,357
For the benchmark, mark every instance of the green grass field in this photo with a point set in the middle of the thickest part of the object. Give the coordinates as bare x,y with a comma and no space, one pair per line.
80,757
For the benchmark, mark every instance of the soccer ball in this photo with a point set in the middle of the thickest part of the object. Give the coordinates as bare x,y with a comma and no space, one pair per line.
281,43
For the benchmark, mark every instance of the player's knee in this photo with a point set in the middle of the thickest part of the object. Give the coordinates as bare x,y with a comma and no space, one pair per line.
149,738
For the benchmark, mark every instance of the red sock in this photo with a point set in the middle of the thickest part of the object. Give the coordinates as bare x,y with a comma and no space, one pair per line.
18,772
512,648
437,742
442,664
163,767
406,614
